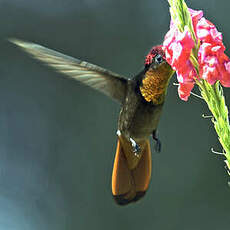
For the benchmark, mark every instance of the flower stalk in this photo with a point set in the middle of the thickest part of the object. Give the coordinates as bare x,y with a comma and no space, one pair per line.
210,70
214,97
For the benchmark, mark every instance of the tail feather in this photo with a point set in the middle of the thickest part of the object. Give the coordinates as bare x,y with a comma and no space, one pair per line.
130,184
142,173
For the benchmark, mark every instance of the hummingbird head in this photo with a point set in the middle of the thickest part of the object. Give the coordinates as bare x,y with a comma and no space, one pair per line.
156,59
158,72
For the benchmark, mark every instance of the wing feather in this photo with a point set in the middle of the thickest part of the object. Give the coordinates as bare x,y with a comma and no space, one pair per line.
109,83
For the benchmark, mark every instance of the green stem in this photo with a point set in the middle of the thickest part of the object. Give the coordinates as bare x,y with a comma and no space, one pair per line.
213,95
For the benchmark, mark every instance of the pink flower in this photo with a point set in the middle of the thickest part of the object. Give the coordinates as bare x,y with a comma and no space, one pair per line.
186,73
196,15
184,90
178,47
207,32
225,70
210,73
214,65
225,76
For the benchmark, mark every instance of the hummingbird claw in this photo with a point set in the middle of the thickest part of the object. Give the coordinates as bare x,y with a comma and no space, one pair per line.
136,147
158,142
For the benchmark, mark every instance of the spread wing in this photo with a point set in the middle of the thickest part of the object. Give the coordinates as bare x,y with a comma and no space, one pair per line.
103,80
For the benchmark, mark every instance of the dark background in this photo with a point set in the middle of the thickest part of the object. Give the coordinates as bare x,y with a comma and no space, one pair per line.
58,137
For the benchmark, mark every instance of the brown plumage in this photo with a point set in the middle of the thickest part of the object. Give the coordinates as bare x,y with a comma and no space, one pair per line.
141,100
131,174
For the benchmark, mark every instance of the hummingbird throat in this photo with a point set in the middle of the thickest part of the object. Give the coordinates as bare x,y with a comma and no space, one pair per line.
154,86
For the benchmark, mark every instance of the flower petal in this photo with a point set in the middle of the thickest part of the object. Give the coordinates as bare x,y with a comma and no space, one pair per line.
184,90
210,74
225,81
178,47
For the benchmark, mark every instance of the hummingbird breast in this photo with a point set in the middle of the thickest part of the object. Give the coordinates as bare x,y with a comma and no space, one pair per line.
138,118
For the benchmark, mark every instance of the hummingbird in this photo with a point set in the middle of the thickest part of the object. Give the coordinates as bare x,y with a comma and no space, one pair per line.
141,98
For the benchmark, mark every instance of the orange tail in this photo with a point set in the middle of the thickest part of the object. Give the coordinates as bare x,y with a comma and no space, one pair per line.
131,177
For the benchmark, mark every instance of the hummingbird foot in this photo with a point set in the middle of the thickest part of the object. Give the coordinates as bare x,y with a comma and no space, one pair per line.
158,142
136,147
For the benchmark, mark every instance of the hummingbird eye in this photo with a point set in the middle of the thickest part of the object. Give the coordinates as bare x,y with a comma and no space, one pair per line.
159,59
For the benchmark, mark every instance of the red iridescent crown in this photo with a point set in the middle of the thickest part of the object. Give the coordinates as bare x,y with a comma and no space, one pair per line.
153,52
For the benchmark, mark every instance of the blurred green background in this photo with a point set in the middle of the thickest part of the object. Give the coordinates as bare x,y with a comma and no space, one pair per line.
58,137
